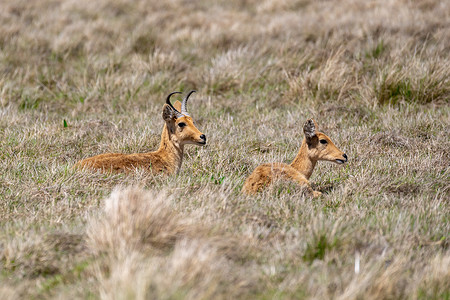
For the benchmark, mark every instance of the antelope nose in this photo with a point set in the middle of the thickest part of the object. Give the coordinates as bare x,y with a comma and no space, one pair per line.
345,156
203,137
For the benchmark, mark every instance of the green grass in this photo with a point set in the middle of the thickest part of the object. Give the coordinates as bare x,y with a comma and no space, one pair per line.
90,77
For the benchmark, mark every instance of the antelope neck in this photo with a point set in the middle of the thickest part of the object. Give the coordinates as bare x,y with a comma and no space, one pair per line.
302,162
170,151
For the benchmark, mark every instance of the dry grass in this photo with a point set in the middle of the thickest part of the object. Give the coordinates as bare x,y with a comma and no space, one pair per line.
374,74
143,249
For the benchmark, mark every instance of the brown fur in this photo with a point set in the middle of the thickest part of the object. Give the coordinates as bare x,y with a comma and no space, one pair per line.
301,168
167,158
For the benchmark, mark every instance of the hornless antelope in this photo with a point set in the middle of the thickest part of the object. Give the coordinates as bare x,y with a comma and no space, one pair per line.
179,130
315,146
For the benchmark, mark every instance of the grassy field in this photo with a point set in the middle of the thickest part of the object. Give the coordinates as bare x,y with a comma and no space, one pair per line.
80,78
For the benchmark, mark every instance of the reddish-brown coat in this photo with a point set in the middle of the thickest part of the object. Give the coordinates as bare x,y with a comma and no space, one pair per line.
312,150
167,158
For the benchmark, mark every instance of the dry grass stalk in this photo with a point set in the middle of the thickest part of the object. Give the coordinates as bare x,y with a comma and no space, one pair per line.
152,252
86,77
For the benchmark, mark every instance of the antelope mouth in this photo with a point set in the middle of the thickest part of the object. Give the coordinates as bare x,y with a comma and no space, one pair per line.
340,161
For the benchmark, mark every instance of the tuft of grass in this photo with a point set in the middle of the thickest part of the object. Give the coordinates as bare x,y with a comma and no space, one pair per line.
377,51
402,85
80,78
140,235
317,249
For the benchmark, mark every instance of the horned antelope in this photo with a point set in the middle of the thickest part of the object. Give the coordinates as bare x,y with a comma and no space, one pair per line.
315,146
179,130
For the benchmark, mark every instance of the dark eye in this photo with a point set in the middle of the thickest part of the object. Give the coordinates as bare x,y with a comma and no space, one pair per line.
181,124
323,141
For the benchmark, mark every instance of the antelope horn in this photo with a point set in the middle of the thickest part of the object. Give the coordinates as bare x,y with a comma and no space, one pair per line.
170,104
183,104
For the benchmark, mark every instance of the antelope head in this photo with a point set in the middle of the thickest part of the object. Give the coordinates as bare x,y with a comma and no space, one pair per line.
320,146
180,124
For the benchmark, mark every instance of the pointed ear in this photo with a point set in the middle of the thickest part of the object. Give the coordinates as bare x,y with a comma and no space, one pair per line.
177,105
168,113
310,129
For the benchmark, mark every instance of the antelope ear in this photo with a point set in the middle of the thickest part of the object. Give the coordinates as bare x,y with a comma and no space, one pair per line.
177,105
168,113
310,129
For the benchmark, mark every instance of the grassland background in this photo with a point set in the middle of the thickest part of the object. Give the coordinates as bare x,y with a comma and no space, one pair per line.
79,78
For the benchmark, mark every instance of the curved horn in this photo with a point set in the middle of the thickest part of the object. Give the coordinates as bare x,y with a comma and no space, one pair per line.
168,101
183,104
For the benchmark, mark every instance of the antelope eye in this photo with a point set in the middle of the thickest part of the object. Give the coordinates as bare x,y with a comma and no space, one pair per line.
323,141
181,124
